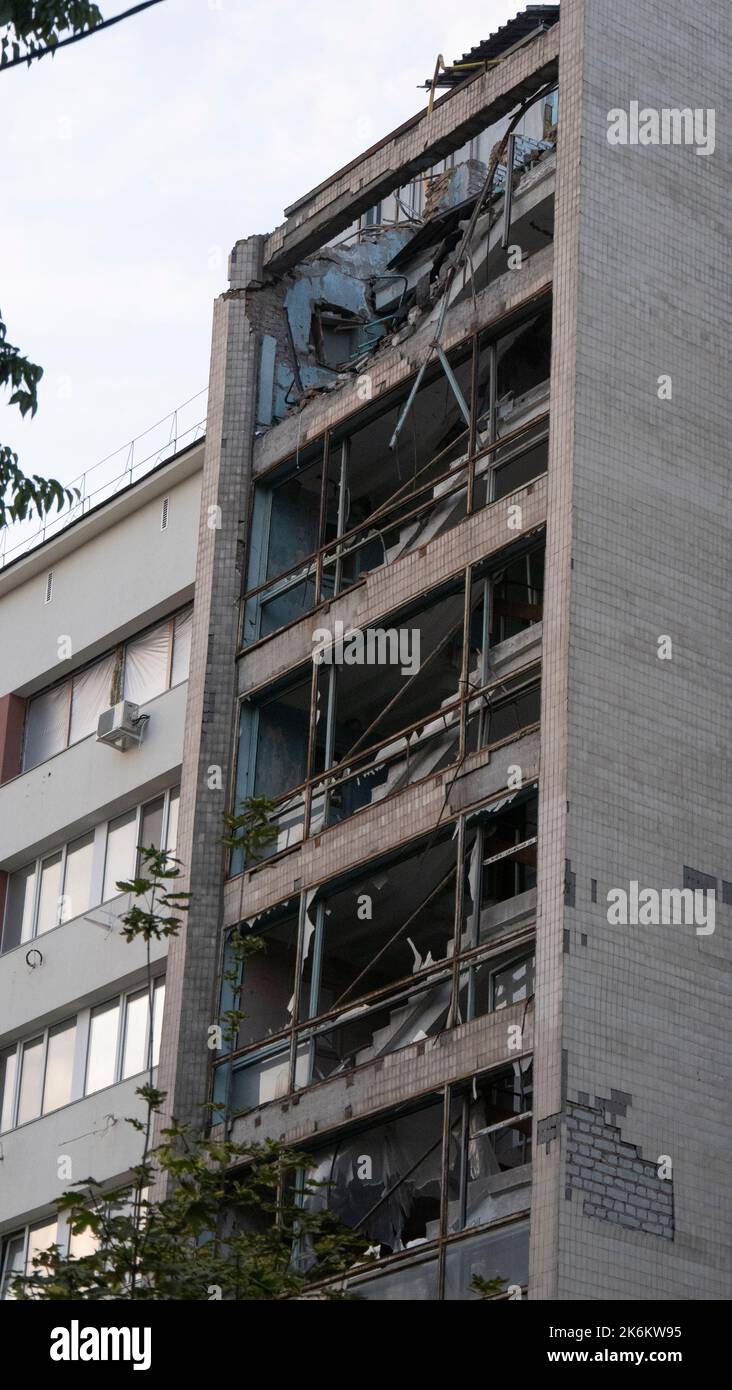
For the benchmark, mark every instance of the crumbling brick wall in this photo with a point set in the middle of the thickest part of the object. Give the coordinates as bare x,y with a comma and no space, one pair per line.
620,1185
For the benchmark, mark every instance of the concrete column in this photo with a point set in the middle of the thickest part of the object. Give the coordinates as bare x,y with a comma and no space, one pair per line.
548,1071
190,1006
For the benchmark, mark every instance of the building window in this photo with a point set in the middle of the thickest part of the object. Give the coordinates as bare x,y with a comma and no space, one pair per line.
359,503
350,503
36,1076
124,1037
363,966
138,671
372,218
367,729
119,861
101,1060
67,883
110,1043
31,1080
19,1250
399,1186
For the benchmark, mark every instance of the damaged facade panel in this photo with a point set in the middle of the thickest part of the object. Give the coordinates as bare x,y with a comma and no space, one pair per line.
330,312
414,149
403,1188
421,942
358,727
435,934
350,503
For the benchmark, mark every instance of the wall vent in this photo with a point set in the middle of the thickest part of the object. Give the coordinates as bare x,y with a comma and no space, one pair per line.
164,510
49,587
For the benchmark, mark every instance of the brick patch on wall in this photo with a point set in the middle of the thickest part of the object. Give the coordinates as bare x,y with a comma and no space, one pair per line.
620,1185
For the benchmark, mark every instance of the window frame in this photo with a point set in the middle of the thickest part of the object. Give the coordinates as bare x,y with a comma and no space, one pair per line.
21,1043
509,942
480,461
121,1001
81,1021
116,689
99,859
478,584
24,1233
453,1097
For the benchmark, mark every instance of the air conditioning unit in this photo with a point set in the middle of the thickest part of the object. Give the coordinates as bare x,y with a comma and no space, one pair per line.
121,726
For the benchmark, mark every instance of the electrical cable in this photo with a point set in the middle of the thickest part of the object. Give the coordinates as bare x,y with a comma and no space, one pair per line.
75,38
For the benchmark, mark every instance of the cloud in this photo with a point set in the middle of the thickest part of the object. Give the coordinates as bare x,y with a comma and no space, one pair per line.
135,160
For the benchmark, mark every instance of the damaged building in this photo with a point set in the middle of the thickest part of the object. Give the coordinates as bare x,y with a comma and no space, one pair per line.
434,412
434,416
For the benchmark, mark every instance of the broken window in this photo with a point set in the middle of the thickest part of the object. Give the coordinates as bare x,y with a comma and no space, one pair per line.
518,595
376,953
396,1184
396,499
506,598
267,977
390,703
408,1281
385,1181
273,757
513,392
383,501
490,1134
493,1255
505,709
513,376
378,488
255,1081
487,986
500,867
516,463
381,927
367,1031
395,719
287,529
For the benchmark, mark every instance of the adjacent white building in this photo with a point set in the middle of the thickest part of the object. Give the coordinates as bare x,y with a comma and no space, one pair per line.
99,614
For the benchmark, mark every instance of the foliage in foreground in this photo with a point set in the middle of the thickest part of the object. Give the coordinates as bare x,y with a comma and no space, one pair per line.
215,1236
22,496
213,1233
30,28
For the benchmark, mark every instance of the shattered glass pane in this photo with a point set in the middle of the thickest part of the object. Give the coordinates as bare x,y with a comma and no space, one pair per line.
413,669
268,982
502,1255
263,1079
385,1181
490,1135
363,1033
407,1281
382,927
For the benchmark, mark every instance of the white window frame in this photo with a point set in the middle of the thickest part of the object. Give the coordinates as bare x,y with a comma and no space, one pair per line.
82,1022
42,1033
99,860
62,1240
121,1000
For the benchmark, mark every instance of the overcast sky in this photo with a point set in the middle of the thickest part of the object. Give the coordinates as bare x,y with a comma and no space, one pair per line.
133,161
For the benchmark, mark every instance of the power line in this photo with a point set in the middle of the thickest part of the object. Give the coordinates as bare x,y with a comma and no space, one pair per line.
74,38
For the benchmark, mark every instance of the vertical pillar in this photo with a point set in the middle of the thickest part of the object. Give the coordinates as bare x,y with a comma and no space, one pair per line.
548,1085
190,1006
